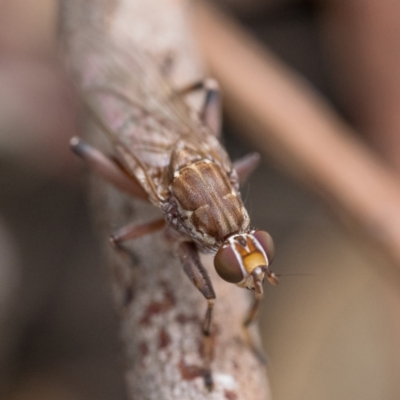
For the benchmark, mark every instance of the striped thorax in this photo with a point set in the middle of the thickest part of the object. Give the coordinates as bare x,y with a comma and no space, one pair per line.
207,206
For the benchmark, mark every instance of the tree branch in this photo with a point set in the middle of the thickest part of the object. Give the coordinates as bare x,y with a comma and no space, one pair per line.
295,126
160,310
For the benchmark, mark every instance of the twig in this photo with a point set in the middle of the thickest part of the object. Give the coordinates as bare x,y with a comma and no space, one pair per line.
290,122
160,310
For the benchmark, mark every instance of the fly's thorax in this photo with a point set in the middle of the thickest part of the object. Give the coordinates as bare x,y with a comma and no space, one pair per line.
181,157
208,206
244,255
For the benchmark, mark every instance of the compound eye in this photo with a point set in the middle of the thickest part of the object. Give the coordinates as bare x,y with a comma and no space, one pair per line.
227,265
266,242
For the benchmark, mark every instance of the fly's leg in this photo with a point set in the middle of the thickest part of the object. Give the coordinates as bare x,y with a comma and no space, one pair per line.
108,169
198,275
113,172
210,113
246,165
126,255
258,296
252,316
134,231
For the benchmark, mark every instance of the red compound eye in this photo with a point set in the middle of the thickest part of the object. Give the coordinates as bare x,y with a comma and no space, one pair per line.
227,265
266,242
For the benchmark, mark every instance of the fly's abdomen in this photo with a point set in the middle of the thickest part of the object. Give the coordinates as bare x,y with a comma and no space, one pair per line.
203,191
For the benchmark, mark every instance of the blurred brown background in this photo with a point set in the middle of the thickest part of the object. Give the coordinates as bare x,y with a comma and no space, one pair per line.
330,333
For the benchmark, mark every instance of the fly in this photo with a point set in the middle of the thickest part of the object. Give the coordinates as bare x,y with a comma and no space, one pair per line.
169,155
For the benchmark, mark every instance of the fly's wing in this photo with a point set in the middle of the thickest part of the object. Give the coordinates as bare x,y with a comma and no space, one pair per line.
134,105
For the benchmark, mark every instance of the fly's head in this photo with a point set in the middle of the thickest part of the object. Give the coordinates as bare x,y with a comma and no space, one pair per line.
244,259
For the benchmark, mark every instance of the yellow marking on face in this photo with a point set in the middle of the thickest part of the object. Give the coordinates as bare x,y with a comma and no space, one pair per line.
253,260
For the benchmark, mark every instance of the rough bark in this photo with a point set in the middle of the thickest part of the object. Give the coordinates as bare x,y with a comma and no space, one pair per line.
160,310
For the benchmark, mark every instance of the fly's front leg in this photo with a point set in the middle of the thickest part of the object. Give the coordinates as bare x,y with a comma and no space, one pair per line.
258,296
246,165
210,113
198,275
252,316
109,170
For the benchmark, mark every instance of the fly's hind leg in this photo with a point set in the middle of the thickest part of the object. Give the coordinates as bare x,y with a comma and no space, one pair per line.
107,168
210,113
115,173
198,275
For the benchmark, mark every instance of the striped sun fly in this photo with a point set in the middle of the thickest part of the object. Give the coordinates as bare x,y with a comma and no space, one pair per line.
169,154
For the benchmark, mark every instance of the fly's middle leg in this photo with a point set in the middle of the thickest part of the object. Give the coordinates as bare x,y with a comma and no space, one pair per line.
198,275
210,113
134,231
246,165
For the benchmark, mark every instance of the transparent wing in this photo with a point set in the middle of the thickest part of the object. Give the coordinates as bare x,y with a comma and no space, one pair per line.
145,119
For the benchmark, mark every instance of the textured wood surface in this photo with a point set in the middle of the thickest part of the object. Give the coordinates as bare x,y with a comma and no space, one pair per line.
160,310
